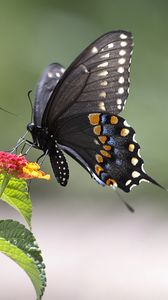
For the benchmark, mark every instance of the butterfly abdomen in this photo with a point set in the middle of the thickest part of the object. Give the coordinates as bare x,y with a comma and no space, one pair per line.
59,164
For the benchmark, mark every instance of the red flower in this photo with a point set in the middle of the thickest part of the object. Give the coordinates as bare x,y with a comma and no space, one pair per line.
12,164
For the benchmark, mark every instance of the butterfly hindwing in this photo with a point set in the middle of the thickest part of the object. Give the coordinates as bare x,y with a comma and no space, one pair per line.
105,145
98,80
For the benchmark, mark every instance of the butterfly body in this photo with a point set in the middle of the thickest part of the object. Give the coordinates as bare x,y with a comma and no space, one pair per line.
76,111
46,142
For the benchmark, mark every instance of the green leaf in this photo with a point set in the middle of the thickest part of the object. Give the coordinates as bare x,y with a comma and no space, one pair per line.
16,195
19,244
4,184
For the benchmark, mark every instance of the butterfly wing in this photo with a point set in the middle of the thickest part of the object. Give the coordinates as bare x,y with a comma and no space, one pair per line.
105,146
45,87
98,80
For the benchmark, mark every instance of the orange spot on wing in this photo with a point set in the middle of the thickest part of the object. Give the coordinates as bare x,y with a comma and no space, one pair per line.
113,120
97,129
99,158
131,147
94,119
124,132
98,169
107,147
111,182
105,153
102,139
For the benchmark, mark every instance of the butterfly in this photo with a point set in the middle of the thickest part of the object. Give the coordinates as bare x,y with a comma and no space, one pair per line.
76,111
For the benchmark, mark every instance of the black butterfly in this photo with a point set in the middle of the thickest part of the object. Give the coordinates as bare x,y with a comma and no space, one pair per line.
77,111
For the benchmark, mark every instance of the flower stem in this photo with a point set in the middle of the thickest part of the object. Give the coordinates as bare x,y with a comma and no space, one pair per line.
5,181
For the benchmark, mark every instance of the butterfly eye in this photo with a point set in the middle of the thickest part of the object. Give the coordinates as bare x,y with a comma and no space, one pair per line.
30,127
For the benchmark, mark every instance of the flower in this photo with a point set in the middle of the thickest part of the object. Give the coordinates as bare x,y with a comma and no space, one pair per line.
12,164
18,166
32,170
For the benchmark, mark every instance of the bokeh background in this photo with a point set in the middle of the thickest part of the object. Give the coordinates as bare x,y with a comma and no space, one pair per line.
93,247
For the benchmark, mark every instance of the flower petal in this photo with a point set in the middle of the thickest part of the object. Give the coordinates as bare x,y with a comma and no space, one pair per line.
32,170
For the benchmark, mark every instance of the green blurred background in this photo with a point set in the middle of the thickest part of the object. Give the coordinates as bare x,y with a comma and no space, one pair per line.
36,33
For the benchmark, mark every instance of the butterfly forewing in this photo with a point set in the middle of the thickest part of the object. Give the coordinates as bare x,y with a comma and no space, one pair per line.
98,80
45,87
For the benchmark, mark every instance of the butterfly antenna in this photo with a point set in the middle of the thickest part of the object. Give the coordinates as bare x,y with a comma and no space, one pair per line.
130,208
9,112
31,104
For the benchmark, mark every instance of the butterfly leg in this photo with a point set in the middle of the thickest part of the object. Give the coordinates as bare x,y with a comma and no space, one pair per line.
42,156
20,141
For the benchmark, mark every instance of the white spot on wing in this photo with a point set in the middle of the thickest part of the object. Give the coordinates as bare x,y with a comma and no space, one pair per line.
119,106
111,45
50,75
123,36
96,142
85,69
121,79
135,174
107,55
104,64
104,73
104,83
122,52
94,50
121,61
128,182
120,70
102,106
123,44
57,74
119,101
102,94
121,90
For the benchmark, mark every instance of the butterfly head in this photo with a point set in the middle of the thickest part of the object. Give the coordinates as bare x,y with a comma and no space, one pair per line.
40,136
30,127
